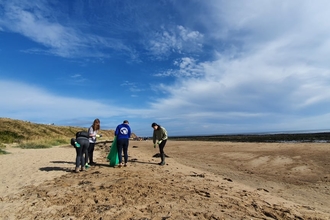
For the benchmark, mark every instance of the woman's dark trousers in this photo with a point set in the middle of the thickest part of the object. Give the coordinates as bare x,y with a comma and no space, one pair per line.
161,151
91,152
122,146
81,151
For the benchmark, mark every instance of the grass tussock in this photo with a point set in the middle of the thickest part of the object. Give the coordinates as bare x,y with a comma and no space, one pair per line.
3,152
2,147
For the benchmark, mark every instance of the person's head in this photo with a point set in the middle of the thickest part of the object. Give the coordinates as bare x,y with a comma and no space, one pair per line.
96,124
125,122
155,126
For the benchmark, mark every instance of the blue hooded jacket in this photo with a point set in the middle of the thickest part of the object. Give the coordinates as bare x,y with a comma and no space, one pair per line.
123,131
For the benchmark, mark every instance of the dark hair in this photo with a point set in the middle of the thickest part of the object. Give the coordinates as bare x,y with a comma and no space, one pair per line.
125,122
96,124
154,124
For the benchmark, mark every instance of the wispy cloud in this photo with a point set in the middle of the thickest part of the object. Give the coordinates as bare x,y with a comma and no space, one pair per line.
177,39
33,103
37,21
276,76
186,67
132,86
248,65
76,79
40,105
40,23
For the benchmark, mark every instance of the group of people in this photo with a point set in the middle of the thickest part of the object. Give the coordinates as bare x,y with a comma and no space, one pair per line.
85,143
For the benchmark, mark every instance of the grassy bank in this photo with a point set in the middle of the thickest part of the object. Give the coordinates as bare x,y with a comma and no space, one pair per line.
16,131
29,135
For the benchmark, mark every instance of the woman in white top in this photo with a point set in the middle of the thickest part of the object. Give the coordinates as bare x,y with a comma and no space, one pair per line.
93,129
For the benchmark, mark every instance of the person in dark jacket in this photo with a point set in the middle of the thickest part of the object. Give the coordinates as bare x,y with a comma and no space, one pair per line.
160,137
81,146
123,133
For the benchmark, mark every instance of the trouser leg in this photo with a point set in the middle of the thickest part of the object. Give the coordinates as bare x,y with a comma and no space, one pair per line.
161,151
91,152
120,144
125,149
86,153
79,155
81,152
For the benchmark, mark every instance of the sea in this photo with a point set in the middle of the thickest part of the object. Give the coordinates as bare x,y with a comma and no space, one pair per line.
299,136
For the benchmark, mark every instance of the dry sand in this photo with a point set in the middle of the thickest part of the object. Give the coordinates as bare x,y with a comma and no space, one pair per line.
201,180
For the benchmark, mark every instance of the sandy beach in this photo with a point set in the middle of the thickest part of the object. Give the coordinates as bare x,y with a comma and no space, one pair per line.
201,180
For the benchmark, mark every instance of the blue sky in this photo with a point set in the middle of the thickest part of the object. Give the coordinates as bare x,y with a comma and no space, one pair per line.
195,67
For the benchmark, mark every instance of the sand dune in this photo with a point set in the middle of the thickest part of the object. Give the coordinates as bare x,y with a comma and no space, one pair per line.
202,180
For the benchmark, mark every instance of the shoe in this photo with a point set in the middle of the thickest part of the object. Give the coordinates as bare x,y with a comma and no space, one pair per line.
161,163
125,165
76,170
92,163
120,165
83,169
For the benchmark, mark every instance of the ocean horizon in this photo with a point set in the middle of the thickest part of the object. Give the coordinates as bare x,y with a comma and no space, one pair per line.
315,136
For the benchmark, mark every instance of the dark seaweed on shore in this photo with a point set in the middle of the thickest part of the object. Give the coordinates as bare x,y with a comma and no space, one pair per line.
323,137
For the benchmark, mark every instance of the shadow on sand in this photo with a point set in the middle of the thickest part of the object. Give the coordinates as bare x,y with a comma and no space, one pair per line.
47,169
134,160
60,161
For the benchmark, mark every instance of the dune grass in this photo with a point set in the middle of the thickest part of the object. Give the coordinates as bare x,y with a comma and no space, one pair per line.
3,152
18,131
28,135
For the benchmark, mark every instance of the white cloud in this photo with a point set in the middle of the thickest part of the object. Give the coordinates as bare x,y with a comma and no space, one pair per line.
187,67
176,39
34,103
34,25
251,85
37,21
275,76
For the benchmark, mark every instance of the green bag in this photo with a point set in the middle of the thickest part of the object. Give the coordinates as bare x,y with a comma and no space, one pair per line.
113,154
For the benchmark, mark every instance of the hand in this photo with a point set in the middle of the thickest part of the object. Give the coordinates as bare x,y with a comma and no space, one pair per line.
159,142
98,135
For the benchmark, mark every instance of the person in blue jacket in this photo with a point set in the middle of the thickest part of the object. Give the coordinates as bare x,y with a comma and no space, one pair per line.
123,133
